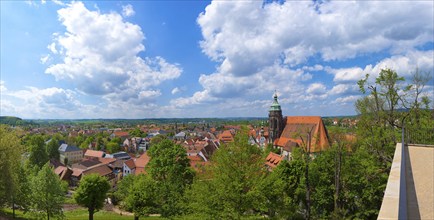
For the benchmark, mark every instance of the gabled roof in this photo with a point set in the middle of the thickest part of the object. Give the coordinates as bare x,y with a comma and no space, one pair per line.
68,148
85,164
273,160
130,164
121,134
297,128
142,161
102,170
94,153
63,172
226,136
106,160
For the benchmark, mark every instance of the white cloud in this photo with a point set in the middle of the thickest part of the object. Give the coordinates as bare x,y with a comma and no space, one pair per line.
2,87
127,10
260,47
342,89
316,89
347,99
52,48
404,65
58,2
175,90
248,35
100,57
45,59
42,103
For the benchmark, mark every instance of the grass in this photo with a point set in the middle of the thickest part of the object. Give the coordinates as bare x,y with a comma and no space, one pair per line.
7,213
77,214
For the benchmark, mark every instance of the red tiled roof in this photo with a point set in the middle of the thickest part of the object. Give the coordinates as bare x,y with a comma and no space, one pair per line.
121,134
197,163
94,153
106,160
226,136
130,164
273,160
140,170
102,170
59,170
76,172
296,130
142,161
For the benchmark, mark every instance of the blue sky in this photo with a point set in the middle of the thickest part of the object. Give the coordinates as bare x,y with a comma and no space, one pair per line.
151,59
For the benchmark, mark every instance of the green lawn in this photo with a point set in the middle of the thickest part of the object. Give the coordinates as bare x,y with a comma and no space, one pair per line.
78,214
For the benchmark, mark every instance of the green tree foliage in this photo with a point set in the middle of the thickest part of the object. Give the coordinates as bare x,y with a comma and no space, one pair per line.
170,168
38,154
346,184
91,193
53,148
141,197
231,191
86,143
157,139
390,105
48,193
123,188
113,147
281,191
13,181
137,133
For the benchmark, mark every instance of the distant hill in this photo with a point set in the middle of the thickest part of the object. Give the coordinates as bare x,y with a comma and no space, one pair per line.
14,121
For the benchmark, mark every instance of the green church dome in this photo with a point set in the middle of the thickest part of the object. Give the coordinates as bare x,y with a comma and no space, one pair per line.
275,106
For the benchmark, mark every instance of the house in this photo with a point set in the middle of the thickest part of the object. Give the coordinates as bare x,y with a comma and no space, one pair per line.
141,163
64,173
129,167
180,136
119,155
136,166
93,154
272,160
87,167
226,136
197,163
121,134
102,170
70,154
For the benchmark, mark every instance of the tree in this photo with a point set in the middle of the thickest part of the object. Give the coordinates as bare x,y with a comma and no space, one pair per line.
390,105
113,147
231,190
170,168
53,148
157,139
123,188
13,184
91,193
141,196
48,193
38,154
281,191
137,133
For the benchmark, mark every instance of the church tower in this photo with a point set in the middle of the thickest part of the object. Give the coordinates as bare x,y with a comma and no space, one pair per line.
275,120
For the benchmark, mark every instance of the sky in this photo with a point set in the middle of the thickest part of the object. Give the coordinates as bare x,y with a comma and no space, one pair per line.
173,59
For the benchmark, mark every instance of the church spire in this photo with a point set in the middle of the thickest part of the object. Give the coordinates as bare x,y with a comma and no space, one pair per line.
275,106
275,120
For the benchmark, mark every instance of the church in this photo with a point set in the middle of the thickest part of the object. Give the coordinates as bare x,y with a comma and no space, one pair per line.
288,132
